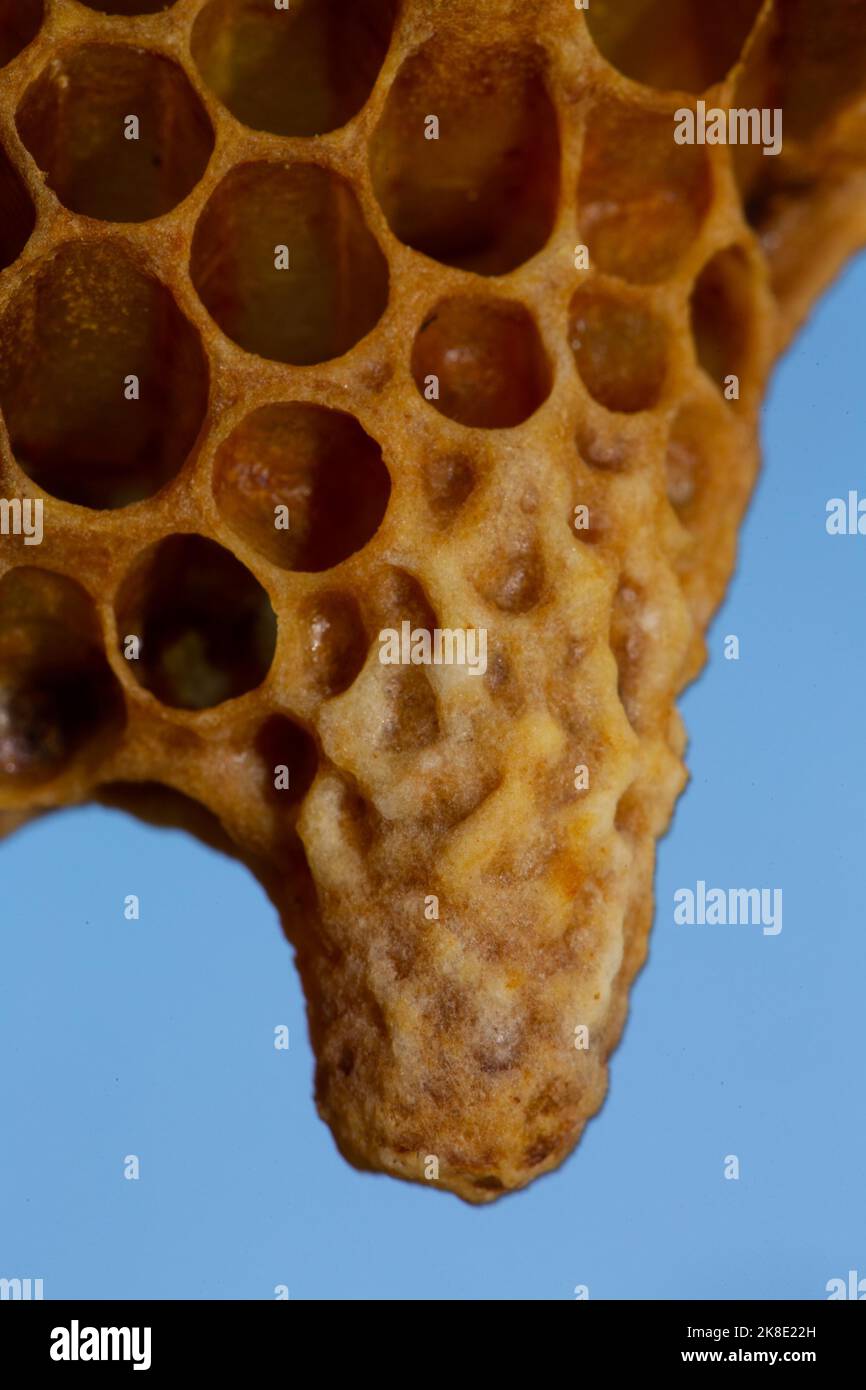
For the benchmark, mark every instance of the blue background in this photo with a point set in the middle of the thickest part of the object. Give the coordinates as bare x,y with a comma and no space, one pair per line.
156,1037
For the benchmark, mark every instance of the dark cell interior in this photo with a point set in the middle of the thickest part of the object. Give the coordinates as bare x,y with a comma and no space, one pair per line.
77,118
59,700
206,626
642,198
337,641
71,340
482,195
129,7
19,25
320,465
18,215
487,358
332,291
280,743
720,309
620,350
683,45
297,71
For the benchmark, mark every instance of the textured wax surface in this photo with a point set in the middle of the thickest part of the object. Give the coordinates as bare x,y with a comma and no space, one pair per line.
166,1023
256,383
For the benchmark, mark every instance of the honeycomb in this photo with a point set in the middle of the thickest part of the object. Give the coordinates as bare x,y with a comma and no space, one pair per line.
322,262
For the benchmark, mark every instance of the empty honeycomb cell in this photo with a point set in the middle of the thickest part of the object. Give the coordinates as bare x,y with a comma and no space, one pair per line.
19,214
500,680
642,198
59,701
285,264
336,641
686,465
206,628
119,133
721,313
412,718
465,160
299,70
103,382
684,45
481,362
620,349
357,819
319,465
283,744
20,21
448,481
600,450
397,596
515,581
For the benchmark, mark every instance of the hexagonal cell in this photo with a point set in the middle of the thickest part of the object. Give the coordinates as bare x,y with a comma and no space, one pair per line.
448,481
299,70
103,382
411,721
721,313
283,261
119,133
478,189
411,718
316,462
282,744
206,627
481,362
642,198
600,449
620,350
514,581
337,641
59,701
397,596
685,461
20,21
680,45
19,214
